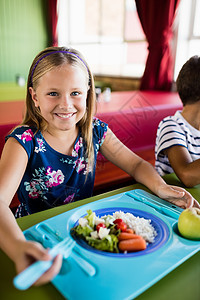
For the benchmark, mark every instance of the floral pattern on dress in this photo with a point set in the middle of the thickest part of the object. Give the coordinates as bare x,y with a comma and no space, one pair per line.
96,121
82,166
26,136
68,161
77,147
55,177
69,199
21,211
42,180
41,147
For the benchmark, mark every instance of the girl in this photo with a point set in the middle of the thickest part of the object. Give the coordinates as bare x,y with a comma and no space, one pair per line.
51,157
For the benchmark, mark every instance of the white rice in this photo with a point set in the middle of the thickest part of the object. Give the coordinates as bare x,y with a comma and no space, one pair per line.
140,226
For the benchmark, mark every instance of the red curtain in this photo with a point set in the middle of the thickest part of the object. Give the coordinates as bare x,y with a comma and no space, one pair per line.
53,19
156,17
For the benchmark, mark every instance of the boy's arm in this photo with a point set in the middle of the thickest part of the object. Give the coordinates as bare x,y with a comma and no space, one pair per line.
188,171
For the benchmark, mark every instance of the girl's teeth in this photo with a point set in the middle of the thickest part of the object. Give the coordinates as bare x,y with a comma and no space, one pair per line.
65,116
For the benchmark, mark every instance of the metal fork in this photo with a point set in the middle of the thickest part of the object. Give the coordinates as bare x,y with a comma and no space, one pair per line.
27,277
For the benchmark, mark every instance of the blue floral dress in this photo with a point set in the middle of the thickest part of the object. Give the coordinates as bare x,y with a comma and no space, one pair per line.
52,178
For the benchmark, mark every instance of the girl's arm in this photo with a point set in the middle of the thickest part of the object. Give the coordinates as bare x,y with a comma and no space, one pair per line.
143,172
188,171
12,241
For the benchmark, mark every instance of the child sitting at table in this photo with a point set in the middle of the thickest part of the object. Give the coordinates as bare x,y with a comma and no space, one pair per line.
178,137
51,157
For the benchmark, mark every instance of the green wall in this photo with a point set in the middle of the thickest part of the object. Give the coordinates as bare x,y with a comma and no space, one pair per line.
23,33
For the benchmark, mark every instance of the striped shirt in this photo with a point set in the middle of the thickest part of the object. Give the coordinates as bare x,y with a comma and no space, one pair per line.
175,131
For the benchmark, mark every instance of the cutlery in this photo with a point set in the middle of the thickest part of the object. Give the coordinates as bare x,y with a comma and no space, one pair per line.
84,264
27,277
50,238
160,208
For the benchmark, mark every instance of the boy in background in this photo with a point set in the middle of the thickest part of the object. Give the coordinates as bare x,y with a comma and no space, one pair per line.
178,137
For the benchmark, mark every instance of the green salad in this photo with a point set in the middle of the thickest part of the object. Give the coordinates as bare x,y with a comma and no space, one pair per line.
120,232
100,233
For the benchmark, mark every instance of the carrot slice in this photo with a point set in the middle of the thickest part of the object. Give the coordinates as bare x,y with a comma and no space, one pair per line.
129,230
132,245
127,236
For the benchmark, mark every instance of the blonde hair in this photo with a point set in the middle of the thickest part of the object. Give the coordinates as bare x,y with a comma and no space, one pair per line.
44,62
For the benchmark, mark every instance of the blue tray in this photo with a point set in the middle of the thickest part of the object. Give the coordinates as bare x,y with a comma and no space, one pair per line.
119,276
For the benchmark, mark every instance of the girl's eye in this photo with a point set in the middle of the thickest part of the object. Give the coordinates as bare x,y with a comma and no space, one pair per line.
75,93
53,94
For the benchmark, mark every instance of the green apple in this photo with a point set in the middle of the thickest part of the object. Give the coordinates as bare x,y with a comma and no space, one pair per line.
189,223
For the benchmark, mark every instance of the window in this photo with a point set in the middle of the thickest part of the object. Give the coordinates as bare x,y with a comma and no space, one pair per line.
107,33
188,41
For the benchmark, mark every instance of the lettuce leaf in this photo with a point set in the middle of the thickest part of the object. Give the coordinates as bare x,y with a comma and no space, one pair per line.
90,217
108,243
82,231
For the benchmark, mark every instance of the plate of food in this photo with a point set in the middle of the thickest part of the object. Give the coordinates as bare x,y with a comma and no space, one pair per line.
120,231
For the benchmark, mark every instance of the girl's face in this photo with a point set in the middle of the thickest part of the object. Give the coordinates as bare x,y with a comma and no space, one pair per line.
61,96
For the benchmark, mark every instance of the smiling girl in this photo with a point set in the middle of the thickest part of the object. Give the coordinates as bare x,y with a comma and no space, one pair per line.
50,158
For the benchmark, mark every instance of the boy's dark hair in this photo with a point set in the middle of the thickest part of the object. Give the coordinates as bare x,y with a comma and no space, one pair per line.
188,81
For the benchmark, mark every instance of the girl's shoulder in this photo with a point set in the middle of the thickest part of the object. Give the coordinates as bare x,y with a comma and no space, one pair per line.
25,135
98,124
23,132
100,129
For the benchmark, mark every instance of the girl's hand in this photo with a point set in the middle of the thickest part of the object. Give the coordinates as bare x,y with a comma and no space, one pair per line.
177,196
29,252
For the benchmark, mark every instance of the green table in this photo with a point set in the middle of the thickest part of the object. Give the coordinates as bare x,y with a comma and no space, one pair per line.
182,283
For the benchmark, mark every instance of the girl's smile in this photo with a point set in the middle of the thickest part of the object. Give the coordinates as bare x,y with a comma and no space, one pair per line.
65,115
62,101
